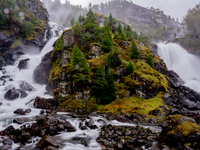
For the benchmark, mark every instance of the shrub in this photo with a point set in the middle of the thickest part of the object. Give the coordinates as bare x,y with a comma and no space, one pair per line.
59,44
150,60
134,50
26,28
113,59
129,68
123,36
116,35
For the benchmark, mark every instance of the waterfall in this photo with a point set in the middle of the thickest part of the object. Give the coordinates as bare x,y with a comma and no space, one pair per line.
185,64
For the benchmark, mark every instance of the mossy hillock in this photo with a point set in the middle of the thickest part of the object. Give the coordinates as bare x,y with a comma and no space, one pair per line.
107,78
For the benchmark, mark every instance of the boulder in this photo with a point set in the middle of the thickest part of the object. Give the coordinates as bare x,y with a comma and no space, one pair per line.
21,120
19,111
25,86
13,94
1,103
47,141
189,104
6,147
69,127
9,130
7,141
23,64
28,110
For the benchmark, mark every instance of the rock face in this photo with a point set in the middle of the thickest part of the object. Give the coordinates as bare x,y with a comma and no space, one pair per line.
25,86
23,64
41,72
15,93
95,51
68,38
12,42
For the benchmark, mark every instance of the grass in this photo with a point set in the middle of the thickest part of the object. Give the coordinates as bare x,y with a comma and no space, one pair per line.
55,71
133,105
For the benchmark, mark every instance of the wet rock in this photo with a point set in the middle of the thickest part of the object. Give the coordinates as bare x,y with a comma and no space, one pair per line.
19,111
120,118
43,103
28,110
8,131
7,141
60,127
42,112
51,148
6,147
21,120
189,104
47,141
89,123
155,112
23,148
1,103
83,128
23,64
124,43
40,74
25,86
13,94
93,126
68,37
69,127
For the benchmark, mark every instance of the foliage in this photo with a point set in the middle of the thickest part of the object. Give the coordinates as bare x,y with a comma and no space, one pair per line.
134,52
81,19
107,41
78,67
55,71
26,28
134,105
72,22
77,29
59,44
122,36
129,68
119,29
150,60
90,17
113,59
116,35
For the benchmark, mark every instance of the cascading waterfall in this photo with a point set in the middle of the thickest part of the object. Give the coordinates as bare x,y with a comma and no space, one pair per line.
185,64
14,76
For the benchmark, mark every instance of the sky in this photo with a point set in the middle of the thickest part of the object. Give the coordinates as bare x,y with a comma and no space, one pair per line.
174,8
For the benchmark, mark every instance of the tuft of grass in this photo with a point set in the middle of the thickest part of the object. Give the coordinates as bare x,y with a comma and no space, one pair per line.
134,105
55,71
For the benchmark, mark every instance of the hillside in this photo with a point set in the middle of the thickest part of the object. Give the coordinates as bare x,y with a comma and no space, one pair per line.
22,25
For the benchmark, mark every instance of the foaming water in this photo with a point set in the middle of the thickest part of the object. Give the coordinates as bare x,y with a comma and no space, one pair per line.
185,64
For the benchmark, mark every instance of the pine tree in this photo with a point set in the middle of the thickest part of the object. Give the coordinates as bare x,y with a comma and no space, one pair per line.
119,29
107,40
72,22
99,83
116,35
113,59
134,50
150,60
123,36
129,68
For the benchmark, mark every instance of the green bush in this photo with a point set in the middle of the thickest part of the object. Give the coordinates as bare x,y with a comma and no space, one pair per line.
59,44
116,35
26,28
150,60
107,41
113,59
134,50
123,36
129,68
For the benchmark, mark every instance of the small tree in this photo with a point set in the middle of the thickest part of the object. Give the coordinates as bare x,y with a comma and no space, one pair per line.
134,50
119,29
116,35
113,59
99,83
129,68
26,28
72,22
123,36
150,60
107,41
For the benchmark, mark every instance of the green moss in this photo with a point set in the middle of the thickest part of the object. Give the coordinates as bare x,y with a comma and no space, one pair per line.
59,44
134,105
183,128
55,71
144,71
71,104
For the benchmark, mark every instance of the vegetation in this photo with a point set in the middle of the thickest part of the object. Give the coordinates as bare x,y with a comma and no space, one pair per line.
129,68
134,52
150,60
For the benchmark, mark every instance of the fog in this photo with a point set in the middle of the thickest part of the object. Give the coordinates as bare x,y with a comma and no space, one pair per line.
174,8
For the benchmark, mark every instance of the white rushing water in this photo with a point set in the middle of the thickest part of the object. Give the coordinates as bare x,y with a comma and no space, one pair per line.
185,64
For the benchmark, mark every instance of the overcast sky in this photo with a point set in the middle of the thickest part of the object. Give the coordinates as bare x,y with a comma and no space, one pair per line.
174,8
